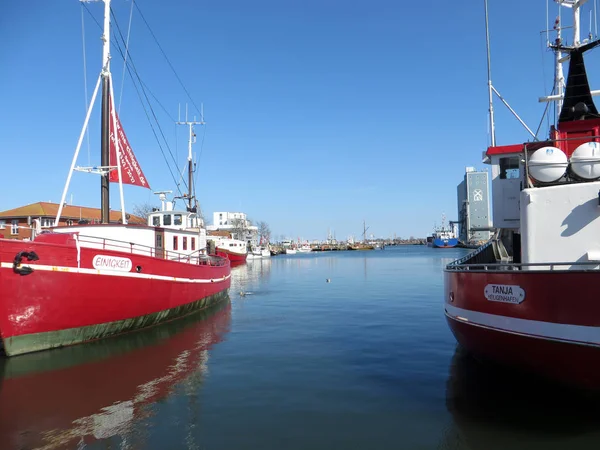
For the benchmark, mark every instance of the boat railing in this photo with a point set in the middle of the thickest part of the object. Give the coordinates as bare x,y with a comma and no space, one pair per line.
196,257
482,254
587,266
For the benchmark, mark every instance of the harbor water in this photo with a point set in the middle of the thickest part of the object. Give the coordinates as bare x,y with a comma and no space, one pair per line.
319,350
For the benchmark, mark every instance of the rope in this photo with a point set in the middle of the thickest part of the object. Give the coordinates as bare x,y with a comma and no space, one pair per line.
126,53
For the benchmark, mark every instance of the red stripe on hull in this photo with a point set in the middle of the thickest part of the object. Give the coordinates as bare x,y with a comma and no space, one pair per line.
51,300
551,332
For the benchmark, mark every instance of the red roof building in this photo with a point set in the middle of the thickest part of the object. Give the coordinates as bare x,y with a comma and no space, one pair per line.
17,223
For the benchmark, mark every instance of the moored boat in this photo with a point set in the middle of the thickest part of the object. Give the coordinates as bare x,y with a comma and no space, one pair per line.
84,282
443,236
528,298
234,249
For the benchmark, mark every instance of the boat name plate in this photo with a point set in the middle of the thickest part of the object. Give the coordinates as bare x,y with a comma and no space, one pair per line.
104,262
504,293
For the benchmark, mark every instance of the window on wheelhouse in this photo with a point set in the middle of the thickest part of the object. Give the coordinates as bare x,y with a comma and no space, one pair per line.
509,168
184,243
193,244
174,242
167,219
156,221
176,219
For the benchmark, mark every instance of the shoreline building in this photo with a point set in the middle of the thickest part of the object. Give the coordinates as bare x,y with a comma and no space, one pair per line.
19,223
474,221
237,224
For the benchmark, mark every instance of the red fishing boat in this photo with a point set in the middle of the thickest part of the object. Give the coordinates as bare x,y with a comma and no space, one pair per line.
528,297
84,282
69,398
235,250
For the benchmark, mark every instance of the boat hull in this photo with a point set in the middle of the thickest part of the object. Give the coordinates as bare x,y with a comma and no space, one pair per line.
235,258
545,322
444,243
63,301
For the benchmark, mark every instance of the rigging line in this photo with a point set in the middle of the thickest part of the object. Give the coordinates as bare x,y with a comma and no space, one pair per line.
142,84
131,64
595,19
168,61
156,99
137,89
543,116
139,95
85,89
547,38
543,52
126,53
91,15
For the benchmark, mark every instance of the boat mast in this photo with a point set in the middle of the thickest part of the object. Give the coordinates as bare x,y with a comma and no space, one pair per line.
105,125
191,140
104,169
559,78
489,75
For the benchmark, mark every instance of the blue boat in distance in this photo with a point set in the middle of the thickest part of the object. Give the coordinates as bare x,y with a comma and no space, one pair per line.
443,237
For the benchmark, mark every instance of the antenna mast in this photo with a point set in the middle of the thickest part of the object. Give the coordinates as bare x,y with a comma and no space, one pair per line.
191,140
559,50
489,74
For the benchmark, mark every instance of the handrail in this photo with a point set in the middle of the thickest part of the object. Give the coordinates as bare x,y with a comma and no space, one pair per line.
457,266
134,248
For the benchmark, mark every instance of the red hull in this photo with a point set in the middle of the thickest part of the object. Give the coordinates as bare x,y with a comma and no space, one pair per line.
80,380
60,303
553,331
235,258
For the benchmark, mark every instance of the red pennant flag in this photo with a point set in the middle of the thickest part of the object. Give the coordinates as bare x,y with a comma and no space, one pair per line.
130,168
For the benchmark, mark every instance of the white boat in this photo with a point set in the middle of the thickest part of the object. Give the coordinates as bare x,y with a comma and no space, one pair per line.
255,253
290,251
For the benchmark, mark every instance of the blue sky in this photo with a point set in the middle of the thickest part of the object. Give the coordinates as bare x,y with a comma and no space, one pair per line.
320,114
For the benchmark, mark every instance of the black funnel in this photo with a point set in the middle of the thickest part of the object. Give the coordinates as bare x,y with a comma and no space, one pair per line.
578,103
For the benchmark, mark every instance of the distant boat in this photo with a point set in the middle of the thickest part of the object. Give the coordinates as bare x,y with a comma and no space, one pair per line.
364,245
444,237
290,251
304,248
235,249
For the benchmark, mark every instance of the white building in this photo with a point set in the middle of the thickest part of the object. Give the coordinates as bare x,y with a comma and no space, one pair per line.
237,224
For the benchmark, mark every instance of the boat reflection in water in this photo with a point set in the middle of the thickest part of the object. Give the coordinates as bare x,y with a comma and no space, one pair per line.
495,408
249,277
68,397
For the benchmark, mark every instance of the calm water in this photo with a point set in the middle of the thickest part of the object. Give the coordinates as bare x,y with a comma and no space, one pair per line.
293,361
